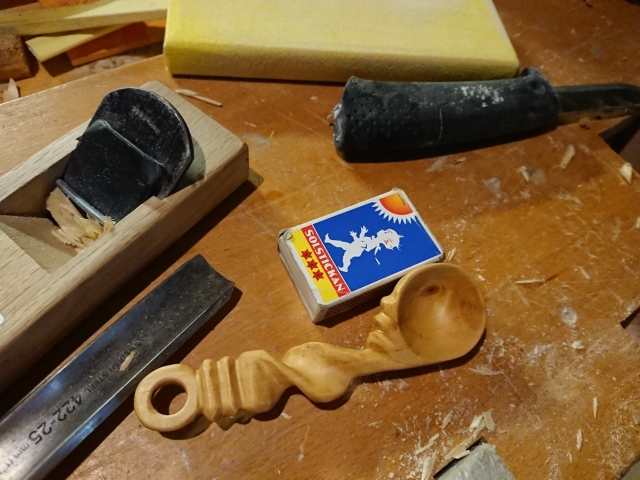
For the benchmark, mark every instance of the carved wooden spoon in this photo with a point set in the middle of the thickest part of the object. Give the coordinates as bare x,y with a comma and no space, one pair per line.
434,314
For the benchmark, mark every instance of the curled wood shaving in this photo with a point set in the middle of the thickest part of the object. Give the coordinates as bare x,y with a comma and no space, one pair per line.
429,444
452,253
458,451
197,96
461,454
11,93
488,420
446,421
285,416
484,370
427,467
477,425
579,439
525,173
74,229
568,156
475,422
595,407
626,170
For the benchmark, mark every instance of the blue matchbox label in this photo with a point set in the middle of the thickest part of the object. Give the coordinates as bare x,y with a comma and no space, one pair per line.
363,245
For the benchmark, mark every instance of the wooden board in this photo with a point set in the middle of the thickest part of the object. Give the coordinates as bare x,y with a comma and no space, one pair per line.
132,36
41,301
62,3
48,46
581,218
99,14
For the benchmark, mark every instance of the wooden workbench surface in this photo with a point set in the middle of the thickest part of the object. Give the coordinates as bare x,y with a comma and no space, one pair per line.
576,227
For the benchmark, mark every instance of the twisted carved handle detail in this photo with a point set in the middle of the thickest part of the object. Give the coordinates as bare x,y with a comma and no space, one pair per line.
441,317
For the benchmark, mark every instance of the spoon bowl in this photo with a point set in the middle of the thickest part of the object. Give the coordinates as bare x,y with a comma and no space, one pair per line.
441,313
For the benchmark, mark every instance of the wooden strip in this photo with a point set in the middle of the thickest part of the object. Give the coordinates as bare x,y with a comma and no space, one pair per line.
14,62
62,3
48,46
78,17
132,36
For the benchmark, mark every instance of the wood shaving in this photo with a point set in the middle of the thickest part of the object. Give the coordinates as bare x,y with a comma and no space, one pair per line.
429,444
478,421
570,457
374,424
127,361
489,422
251,124
568,156
459,451
484,370
530,281
452,253
577,345
525,173
595,407
626,170
477,426
579,439
584,273
461,455
446,421
74,229
11,93
285,415
427,467
568,316
638,223
197,96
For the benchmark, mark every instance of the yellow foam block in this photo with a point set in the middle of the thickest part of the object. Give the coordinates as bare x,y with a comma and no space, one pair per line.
330,40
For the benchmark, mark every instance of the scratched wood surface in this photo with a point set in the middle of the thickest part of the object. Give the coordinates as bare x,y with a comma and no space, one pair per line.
575,227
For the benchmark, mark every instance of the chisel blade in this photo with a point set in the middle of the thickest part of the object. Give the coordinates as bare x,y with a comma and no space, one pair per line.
597,101
44,427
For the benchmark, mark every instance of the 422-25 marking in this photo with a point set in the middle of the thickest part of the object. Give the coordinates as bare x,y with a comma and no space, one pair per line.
59,416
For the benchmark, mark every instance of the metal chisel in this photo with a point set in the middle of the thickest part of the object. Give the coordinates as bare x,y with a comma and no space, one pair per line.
394,116
55,417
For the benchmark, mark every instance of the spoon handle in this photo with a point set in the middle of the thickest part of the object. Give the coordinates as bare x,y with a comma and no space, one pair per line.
255,381
434,314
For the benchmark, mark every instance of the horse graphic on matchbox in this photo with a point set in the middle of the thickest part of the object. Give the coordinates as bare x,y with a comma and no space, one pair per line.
388,238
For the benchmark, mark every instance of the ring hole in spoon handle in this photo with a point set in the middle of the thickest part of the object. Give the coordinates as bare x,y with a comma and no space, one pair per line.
180,375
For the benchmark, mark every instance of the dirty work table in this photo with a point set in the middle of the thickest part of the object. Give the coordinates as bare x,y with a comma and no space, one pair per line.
577,227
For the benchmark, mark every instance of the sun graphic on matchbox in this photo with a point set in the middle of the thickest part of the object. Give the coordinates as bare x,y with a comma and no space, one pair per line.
394,207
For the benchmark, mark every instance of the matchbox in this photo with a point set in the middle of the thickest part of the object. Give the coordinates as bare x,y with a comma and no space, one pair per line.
342,259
